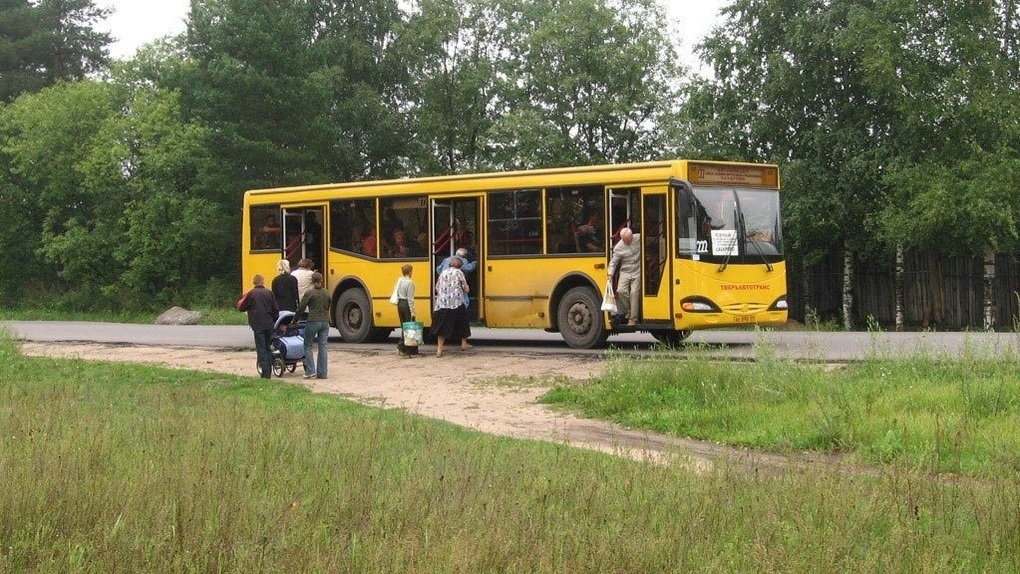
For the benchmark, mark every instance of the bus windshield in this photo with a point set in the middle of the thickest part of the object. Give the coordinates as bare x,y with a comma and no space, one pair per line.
735,225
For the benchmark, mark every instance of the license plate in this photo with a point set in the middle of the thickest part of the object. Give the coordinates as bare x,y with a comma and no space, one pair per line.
744,319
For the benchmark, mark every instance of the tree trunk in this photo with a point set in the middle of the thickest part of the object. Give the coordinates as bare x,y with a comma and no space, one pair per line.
899,288
989,290
805,285
848,287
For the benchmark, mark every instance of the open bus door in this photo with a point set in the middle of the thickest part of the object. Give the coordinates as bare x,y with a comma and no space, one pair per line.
645,212
656,264
455,225
303,236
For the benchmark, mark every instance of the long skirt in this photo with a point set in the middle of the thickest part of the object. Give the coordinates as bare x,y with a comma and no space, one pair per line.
451,323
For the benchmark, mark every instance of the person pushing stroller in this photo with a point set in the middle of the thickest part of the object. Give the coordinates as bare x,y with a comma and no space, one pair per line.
316,301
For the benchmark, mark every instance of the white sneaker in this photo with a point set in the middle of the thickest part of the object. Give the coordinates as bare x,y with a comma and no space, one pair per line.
307,376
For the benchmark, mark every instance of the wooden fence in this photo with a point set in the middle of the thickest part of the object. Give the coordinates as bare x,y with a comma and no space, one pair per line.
939,292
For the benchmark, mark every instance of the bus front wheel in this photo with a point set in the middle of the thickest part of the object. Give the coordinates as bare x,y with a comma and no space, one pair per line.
354,316
580,319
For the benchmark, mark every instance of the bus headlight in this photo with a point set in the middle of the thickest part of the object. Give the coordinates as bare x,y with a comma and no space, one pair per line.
698,305
780,304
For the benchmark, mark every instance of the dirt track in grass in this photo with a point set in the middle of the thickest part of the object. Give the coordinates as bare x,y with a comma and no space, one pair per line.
488,390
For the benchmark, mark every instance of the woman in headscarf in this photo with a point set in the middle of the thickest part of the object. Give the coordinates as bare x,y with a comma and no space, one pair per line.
285,287
449,315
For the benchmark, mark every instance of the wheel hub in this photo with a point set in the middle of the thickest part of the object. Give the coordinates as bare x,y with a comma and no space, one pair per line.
580,318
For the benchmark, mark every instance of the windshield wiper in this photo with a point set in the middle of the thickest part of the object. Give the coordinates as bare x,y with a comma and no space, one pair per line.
748,241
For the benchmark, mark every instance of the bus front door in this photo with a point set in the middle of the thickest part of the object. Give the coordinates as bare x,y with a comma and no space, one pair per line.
644,211
656,268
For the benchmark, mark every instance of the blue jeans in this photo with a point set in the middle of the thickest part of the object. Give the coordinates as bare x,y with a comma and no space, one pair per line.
264,352
319,332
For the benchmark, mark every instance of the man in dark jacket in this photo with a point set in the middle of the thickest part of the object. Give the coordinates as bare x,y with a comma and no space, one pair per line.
260,304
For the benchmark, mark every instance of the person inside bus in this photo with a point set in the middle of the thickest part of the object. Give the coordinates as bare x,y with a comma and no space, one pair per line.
462,237
655,247
313,238
368,242
589,234
269,233
627,260
400,248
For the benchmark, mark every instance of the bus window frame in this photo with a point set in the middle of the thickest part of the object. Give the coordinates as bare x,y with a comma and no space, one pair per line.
256,223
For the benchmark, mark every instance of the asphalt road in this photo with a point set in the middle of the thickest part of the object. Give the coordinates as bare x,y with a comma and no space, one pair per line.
809,345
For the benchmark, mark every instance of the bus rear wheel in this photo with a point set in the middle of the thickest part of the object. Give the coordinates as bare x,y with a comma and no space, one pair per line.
580,319
353,316
671,337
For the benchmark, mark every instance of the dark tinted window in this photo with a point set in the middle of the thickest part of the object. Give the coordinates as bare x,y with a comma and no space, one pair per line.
515,222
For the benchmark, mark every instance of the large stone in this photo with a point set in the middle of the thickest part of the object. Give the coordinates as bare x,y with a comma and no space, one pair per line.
179,316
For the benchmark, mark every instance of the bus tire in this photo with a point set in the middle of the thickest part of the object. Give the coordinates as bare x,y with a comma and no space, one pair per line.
580,319
671,337
353,316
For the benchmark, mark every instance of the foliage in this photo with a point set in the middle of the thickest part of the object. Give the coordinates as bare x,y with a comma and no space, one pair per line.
47,41
104,201
876,109
55,139
590,83
452,48
297,94
962,208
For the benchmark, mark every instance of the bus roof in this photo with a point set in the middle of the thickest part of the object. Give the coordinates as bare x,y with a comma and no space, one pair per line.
546,177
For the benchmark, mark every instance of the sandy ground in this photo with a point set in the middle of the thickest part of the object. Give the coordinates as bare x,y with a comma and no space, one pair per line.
483,389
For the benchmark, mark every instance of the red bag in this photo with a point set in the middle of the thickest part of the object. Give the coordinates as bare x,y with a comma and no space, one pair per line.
243,301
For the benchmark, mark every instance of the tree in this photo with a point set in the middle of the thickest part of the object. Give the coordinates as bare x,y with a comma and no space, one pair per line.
48,41
294,92
452,49
362,83
824,87
590,83
51,140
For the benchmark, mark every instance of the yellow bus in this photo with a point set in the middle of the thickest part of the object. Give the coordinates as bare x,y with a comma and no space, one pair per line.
540,241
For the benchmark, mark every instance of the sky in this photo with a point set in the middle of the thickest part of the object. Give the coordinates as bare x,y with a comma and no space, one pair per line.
136,22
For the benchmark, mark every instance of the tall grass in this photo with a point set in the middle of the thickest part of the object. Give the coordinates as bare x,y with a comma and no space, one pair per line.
120,468
938,414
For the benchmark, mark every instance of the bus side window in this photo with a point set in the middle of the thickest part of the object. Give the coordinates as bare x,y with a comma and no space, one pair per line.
352,226
574,219
266,230
515,222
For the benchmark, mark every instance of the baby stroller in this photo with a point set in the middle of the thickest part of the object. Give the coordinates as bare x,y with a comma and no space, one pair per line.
288,343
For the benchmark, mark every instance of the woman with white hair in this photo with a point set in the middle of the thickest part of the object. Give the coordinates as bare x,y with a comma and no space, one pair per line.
285,287
449,315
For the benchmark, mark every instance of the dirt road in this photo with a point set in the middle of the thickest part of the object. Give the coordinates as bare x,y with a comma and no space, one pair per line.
483,389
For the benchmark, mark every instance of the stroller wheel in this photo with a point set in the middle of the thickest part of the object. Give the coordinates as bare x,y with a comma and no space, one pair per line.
278,367
291,367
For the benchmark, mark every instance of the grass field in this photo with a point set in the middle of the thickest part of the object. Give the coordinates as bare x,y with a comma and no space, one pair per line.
934,414
123,468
